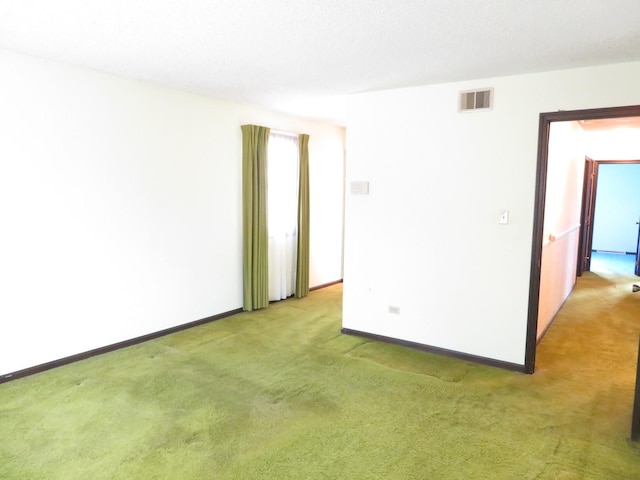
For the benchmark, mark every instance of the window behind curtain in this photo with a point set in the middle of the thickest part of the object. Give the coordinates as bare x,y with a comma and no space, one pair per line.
282,213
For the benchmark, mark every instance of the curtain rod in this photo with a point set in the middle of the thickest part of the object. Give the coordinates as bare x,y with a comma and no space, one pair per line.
282,132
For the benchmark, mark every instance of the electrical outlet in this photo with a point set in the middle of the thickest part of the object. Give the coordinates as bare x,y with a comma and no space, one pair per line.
393,309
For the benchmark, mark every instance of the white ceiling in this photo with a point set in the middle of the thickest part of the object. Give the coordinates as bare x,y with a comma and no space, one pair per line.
305,56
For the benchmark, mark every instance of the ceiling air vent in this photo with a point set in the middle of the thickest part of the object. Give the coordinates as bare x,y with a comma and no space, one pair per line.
476,99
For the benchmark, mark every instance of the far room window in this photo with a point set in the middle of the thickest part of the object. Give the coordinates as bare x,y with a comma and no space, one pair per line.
282,213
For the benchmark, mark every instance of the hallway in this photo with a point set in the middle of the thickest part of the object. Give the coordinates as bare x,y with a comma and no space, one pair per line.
592,346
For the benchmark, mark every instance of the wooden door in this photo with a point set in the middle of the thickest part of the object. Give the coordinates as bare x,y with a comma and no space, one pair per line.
586,216
635,416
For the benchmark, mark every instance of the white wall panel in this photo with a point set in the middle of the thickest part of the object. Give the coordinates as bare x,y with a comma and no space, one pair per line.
427,237
120,207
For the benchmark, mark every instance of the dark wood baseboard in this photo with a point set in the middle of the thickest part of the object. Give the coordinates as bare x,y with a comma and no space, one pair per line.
325,285
110,348
311,289
126,343
614,252
439,351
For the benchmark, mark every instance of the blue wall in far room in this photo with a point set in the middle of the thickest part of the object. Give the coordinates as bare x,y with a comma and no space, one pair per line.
617,208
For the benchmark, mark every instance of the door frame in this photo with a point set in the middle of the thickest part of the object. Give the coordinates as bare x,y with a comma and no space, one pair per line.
587,214
587,211
544,129
636,270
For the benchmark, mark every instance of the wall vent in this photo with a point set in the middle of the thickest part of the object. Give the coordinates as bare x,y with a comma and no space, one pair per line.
476,99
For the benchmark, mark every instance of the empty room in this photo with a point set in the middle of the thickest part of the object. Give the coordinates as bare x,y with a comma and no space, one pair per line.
279,239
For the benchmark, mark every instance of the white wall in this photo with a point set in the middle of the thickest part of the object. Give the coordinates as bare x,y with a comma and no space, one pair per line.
621,143
615,144
561,227
121,207
427,238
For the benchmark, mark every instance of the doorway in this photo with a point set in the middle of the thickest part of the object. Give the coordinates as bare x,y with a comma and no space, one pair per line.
609,220
545,121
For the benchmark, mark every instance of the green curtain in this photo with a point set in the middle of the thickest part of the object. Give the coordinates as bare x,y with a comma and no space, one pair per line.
254,217
302,264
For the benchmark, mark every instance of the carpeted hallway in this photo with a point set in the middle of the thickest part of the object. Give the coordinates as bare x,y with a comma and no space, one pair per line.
281,394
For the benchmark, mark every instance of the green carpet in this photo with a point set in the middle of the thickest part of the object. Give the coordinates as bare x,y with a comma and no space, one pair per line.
281,394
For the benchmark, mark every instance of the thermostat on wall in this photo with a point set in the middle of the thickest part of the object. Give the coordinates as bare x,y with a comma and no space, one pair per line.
359,188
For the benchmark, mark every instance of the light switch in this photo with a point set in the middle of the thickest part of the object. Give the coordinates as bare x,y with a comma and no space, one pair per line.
504,217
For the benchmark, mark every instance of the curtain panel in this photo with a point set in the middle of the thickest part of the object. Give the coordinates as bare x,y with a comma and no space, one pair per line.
302,267
254,217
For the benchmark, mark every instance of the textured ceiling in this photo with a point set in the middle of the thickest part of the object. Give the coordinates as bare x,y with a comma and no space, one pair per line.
304,56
